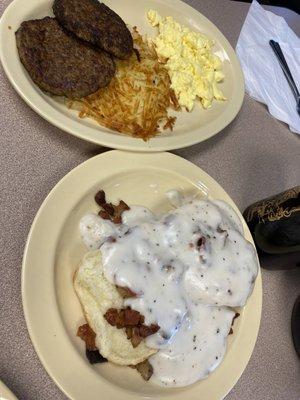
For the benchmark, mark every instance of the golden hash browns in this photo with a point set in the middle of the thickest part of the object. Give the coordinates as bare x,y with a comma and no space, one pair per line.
137,99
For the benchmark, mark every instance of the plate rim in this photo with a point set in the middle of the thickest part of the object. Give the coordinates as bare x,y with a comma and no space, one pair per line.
125,142
113,390
5,391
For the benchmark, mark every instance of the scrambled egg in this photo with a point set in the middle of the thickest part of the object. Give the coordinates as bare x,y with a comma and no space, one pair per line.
193,68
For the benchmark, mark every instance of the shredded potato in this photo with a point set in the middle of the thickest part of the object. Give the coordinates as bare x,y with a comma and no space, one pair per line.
137,99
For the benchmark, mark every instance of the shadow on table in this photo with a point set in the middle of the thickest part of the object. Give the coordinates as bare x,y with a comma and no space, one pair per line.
289,262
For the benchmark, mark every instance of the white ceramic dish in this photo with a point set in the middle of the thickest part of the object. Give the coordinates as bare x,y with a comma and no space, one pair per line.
52,254
190,128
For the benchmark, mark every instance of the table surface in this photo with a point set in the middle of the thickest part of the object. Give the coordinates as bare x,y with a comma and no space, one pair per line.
254,157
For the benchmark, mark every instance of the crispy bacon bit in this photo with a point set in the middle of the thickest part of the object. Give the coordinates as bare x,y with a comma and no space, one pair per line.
114,317
232,323
109,210
136,338
145,330
100,197
122,206
129,332
125,292
132,317
118,210
235,316
145,369
123,318
138,333
103,214
133,322
86,333
95,357
117,219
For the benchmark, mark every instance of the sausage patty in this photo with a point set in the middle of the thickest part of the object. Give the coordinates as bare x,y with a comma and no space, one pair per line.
95,23
59,63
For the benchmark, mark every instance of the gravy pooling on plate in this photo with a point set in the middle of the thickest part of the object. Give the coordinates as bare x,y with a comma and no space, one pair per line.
187,268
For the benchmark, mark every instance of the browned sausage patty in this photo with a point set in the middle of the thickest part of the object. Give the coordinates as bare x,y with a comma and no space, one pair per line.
95,23
59,63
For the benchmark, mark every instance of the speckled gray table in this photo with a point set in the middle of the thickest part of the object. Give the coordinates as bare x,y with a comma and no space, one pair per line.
255,156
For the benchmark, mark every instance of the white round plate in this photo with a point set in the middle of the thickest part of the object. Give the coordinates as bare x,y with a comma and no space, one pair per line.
190,128
54,250
5,393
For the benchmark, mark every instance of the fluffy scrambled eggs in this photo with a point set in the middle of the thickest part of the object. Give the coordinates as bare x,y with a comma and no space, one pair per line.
193,68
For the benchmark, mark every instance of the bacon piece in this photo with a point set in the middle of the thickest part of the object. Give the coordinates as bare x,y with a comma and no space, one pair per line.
232,323
133,322
131,317
115,317
123,318
235,316
118,211
100,197
136,338
145,369
142,331
86,333
129,332
103,214
117,219
95,357
125,292
145,330
109,210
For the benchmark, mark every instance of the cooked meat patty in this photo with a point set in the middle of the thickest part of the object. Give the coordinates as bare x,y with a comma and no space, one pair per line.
95,23
59,63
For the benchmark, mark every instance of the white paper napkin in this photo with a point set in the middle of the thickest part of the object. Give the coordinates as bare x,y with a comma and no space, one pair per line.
264,79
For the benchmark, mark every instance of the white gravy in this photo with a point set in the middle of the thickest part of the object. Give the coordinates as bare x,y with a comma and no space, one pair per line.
187,267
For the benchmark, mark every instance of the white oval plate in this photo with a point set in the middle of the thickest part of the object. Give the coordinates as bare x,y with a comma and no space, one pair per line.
52,254
190,128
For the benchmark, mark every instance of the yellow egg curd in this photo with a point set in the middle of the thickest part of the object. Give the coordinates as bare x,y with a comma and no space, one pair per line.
194,69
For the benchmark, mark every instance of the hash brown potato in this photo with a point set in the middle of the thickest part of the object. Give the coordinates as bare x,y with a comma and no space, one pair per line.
138,98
